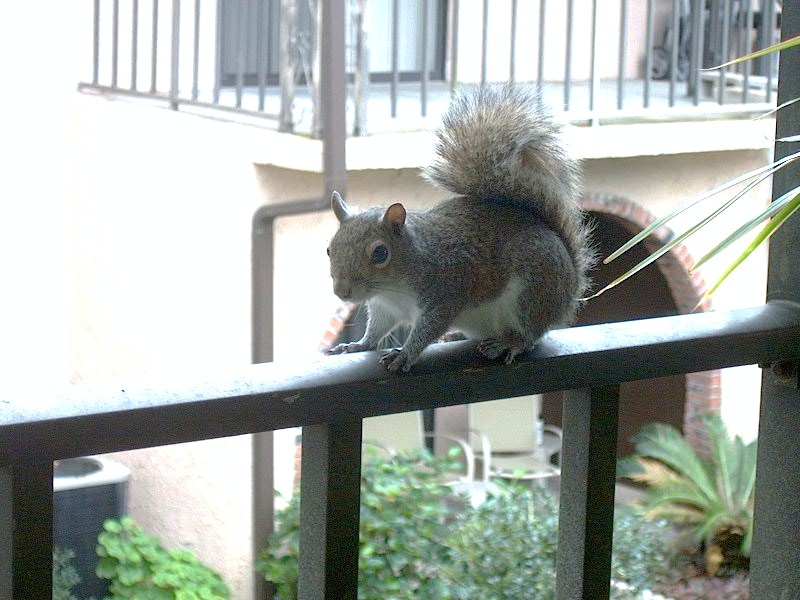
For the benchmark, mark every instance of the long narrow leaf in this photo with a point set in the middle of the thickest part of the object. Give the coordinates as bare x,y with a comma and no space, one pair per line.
683,206
725,458
763,235
776,109
651,258
773,208
758,53
747,480
791,138
666,444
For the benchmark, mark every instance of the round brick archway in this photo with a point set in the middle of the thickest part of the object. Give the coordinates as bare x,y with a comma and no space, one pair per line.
702,390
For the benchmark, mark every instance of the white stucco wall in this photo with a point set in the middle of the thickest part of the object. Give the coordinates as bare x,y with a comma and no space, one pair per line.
125,251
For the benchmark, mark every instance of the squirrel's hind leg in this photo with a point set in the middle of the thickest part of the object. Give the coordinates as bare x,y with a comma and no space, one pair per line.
509,345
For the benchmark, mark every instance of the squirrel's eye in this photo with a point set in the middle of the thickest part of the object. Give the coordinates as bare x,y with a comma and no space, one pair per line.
329,250
379,254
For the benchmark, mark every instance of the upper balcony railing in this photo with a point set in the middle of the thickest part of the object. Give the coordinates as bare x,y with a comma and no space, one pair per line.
598,61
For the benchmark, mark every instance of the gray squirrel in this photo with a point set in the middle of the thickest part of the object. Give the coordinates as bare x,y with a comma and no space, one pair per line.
502,262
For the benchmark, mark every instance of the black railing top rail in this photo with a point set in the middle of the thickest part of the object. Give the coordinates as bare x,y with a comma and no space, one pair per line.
36,427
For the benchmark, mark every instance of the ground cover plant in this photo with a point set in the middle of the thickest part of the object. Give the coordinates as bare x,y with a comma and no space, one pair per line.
138,566
411,546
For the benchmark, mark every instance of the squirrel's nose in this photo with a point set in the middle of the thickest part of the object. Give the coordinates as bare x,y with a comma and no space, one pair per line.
343,289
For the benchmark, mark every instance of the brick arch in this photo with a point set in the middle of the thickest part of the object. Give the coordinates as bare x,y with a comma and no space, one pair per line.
703,390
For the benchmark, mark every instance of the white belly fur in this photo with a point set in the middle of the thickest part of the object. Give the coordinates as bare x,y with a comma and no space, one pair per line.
493,317
403,306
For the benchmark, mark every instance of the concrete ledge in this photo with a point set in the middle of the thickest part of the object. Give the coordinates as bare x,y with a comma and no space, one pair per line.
413,150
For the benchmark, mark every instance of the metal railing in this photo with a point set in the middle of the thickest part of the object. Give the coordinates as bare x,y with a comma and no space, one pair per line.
606,61
331,396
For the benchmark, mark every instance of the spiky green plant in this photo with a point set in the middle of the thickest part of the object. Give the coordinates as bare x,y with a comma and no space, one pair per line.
713,494
775,215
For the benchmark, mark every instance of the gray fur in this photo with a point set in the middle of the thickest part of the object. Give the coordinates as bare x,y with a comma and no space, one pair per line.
504,261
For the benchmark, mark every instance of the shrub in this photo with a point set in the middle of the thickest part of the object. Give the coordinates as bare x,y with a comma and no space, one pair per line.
508,545
140,567
713,495
410,548
65,577
402,528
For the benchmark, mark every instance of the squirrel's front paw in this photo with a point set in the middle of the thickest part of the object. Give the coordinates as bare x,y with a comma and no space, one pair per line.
346,348
395,360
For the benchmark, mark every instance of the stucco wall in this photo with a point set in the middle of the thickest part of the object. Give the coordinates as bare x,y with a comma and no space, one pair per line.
125,251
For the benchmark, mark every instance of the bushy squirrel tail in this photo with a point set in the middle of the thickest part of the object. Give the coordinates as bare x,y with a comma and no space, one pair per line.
499,142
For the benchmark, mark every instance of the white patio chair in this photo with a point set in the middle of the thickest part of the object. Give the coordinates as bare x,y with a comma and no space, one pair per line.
514,442
404,432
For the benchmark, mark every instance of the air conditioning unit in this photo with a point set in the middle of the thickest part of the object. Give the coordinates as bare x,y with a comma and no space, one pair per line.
86,492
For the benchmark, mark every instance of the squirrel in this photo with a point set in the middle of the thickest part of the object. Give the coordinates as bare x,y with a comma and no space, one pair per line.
502,262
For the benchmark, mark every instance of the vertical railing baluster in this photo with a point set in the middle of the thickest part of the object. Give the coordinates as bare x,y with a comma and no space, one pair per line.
329,511
540,57
698,7
26,522
724,44
623,53
134,43
154,50
453,44
512,58
218,54
241,49
586,513
196,52
286,58
568,57
395,82
594,79
648,57
96,43
768,22
485,42
748,65
114,43
361,69
673,57
175,54
423,76
775,553
262,46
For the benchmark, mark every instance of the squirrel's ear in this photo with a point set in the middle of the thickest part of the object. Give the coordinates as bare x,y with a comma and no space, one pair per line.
395,217
339,206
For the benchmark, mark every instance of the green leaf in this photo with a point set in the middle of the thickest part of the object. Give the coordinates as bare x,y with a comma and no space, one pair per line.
687,204
763,235
725,457
666,444
759,174
106,568
786,44
776,109
771,210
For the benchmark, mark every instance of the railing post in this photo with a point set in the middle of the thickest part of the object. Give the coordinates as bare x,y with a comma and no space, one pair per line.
586,514
287,66
26,529
174,76
330,487
775,556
